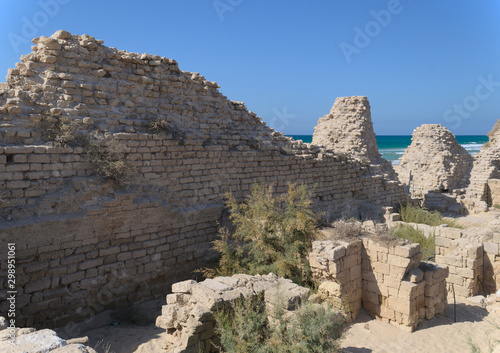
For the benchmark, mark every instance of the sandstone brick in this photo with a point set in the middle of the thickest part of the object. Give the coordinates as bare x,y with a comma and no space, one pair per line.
90,264
75,277
37,286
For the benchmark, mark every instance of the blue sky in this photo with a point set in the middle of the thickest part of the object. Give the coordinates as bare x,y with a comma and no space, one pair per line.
417,61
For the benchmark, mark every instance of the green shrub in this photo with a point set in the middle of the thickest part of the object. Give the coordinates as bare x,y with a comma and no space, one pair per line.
427,244
272,234
413,214
249,327
108,159
497,206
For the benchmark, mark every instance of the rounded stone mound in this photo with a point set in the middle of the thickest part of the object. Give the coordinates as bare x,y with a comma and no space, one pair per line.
435,161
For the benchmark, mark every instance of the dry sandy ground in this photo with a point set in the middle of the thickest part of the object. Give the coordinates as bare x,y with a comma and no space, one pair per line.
441,334
474,325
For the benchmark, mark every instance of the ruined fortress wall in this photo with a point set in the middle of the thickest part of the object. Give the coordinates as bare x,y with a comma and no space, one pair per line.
388,280
85,244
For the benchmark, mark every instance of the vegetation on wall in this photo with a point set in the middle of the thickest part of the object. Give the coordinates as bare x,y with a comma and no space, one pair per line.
271,234
108,158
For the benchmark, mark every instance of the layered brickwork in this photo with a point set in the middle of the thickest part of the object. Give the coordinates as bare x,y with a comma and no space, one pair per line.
494,190
83,242
189,318
463,256
348,130
486,166
394,285
339,262
436,162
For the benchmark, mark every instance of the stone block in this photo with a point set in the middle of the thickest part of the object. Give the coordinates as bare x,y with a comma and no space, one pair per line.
90,263
39,341
491,248
183,287
37,286
415,275
409,250
465,272
355,273
451,233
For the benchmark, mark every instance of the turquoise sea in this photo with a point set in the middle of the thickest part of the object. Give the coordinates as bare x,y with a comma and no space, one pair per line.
392,147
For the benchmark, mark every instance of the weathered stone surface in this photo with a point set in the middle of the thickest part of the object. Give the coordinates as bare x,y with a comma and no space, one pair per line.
348,130
187,145
36,342
435,161
479,195
190,324
3,323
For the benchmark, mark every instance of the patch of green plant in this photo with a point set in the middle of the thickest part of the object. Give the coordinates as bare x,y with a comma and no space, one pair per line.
249,327
414,214
271,234
427,244
497,206
108,158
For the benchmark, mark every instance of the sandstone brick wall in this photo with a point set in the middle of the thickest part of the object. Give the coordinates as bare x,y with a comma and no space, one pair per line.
437,164
486,166
339,262
85,244
394,285
494,191
464,258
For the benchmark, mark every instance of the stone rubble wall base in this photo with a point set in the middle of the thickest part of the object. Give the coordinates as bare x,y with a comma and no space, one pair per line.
188,316
28,340
388,280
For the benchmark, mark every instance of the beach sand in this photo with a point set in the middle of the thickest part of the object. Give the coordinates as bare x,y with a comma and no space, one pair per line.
474,325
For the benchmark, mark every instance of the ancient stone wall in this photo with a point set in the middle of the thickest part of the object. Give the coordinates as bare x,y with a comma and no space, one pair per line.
388,280
437,164
348,130
83,242
486,166
494,191
339,262
463,256
189,318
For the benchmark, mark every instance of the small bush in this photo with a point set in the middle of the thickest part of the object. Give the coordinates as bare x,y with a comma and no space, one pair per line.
248,327
272,234
346,229
413,214
60,131
427,245
159,126
108,158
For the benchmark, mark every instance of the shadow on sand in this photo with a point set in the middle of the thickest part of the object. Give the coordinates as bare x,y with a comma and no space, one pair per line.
464,313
